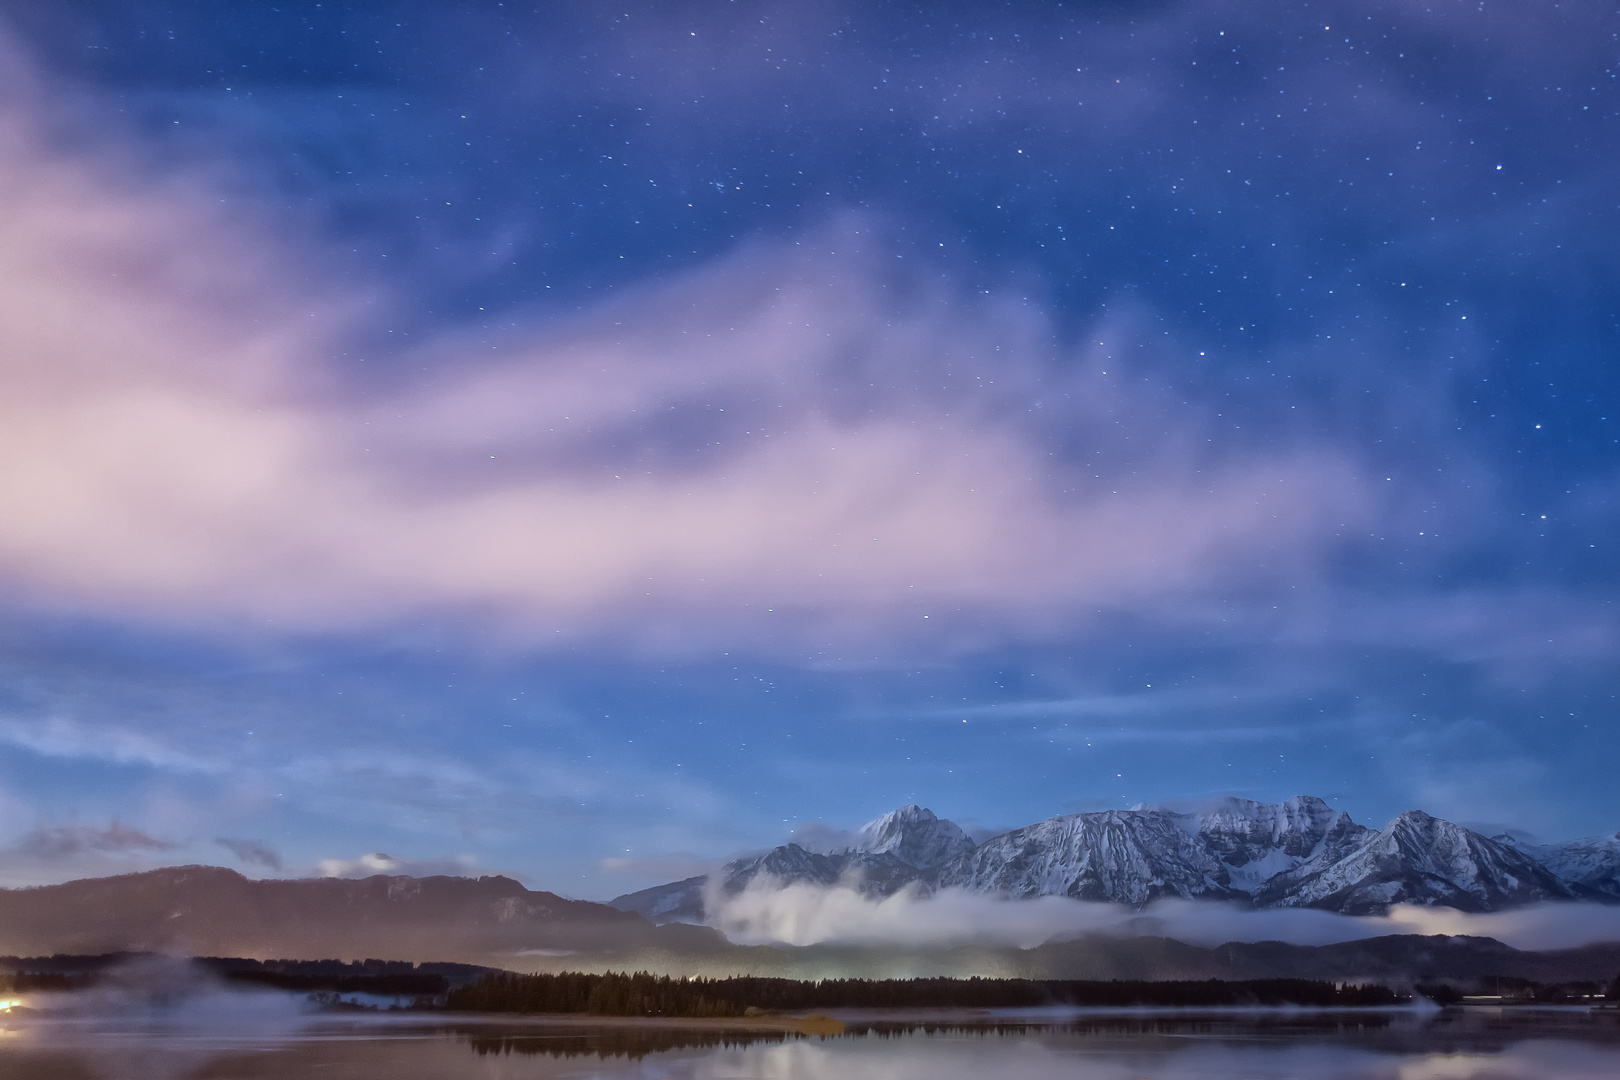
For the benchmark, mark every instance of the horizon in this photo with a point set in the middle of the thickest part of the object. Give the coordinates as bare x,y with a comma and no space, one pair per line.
811,836
578,445
793,917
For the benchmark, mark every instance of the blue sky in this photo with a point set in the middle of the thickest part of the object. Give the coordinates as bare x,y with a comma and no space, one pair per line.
583,441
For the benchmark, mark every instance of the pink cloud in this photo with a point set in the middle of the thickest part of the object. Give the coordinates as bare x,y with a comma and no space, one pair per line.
785,447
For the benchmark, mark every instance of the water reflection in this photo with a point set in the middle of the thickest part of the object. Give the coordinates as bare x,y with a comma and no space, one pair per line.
1507,1045
630,1043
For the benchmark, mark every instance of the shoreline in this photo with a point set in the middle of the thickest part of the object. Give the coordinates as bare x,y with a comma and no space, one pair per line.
820,1022
797,1024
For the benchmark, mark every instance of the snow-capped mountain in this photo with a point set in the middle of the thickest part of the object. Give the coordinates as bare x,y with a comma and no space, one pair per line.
1229,850
1590,865
913,835
1416,859
676,902
1257,841
873,873
1298,853
1123,856
886,855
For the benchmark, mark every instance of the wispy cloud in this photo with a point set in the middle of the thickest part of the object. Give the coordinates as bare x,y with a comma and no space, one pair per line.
1142,703
1212,734
689,465
252,853
115,838
1181,717
50,853
60,737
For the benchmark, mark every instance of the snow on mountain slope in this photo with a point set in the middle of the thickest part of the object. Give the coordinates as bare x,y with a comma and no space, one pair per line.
1591,863
915,836
871,873
1257,840
887,855
1416,859
1120,856
1132,856
678,901
1298,853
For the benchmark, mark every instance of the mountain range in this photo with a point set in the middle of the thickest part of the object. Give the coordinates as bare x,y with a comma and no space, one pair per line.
1301,853
1298,853
495,922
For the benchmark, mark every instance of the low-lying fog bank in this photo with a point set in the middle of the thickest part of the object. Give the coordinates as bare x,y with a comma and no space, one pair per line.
806,914
154,988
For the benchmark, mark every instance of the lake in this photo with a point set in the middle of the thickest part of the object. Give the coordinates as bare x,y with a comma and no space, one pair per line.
1506,1044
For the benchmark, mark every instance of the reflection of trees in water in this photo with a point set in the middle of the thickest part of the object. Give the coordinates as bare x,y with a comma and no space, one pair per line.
1479,1031
633,1043
1452,1031
1298,1024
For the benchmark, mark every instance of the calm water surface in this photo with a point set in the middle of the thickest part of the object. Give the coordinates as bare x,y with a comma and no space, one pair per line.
1467,1045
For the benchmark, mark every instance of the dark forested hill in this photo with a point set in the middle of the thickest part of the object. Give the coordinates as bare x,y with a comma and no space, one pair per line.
202,910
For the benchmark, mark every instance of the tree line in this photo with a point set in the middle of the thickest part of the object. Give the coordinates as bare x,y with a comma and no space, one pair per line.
644,994
389,978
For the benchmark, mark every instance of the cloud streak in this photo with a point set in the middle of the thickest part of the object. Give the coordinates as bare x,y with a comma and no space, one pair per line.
252,853
71,840
61,737
47,854
694,460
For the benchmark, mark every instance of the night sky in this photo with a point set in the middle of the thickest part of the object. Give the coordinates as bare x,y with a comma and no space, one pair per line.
587,440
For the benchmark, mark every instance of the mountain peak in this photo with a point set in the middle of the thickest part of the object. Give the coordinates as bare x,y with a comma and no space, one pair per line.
914,835
1418,819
